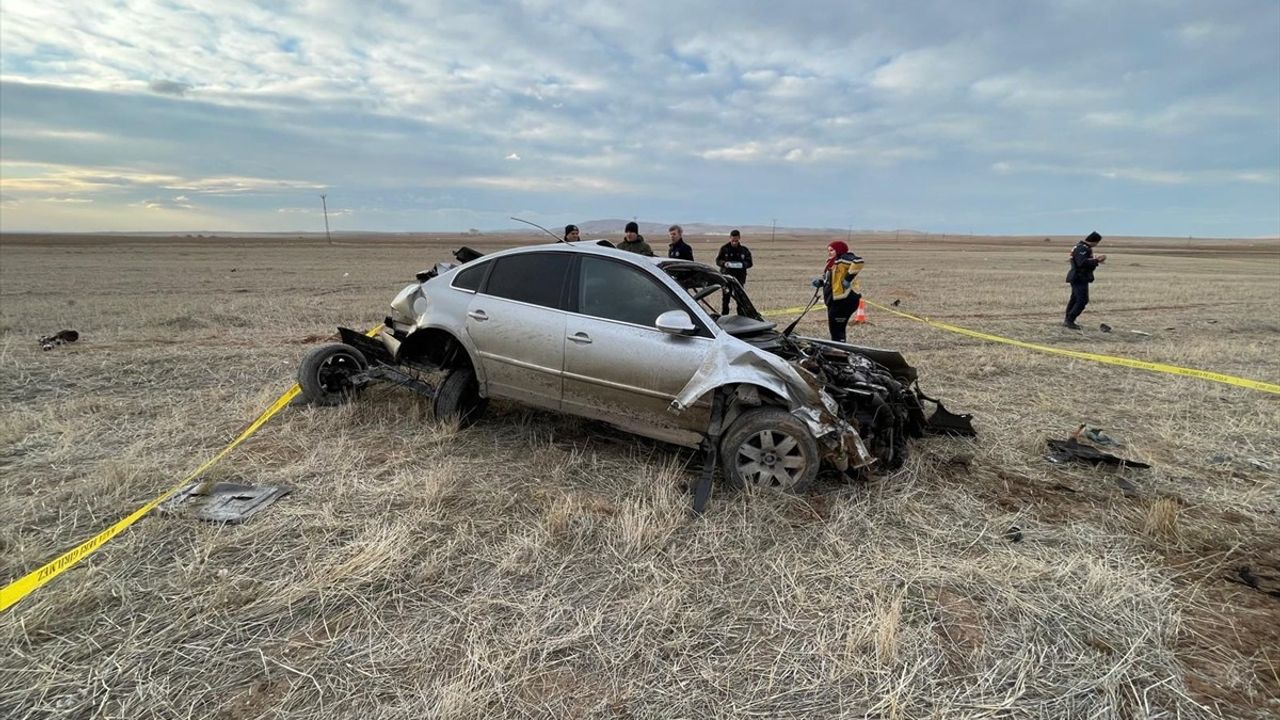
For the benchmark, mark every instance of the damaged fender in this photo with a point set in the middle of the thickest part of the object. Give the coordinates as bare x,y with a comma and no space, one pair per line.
731,361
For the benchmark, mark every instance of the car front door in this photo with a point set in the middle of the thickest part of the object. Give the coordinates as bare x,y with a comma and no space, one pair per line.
618,366
518,327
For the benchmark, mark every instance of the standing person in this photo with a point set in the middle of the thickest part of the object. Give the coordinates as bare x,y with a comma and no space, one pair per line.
839,287
571,234
734,259
1080,275
678,248
633,241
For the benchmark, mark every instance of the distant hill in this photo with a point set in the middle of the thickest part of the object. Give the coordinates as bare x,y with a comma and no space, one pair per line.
613,226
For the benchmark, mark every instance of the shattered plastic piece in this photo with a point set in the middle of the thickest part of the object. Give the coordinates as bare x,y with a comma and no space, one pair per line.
1071,450
1104,327
945,422
225,502
1014,533
1096,435
49,342
1269,584
1260,464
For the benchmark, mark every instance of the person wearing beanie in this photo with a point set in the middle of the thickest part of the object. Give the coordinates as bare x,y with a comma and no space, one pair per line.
678,248
571,234
1083,263
734,259
839,283
633,241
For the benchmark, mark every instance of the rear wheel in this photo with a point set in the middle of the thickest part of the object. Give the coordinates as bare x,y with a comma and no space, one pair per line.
459,397
769,448
326,373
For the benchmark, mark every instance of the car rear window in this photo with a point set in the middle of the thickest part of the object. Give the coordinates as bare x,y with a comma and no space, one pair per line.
469,278
534,278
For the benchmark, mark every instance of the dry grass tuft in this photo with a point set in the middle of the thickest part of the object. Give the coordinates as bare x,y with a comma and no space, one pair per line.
1161,520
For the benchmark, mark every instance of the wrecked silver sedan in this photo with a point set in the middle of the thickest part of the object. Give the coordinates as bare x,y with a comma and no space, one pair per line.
589,330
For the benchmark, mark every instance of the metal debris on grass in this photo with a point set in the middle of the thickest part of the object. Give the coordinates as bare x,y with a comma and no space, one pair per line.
224,502
62,337
1072,450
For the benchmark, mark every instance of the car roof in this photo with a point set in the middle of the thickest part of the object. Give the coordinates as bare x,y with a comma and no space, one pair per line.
582,247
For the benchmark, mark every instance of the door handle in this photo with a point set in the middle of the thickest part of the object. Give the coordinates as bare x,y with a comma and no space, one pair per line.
478,315
581,337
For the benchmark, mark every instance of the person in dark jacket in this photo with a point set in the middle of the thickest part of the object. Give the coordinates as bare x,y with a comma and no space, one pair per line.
734,259
678,248
1080,275
633,241
840,287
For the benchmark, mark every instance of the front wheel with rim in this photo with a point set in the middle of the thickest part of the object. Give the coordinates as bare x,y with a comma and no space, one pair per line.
769,448
326,373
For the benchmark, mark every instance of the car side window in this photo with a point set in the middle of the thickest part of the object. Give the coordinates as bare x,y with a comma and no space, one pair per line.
469,278
616,291
534,278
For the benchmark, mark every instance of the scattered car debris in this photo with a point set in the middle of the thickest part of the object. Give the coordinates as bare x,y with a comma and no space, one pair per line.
1104,328
62,337
1072,450
1259,463
1014,534
896,303
1127,487
1095,435
1269,584
224,502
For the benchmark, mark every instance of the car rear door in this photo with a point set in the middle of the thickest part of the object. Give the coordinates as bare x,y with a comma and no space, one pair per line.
517,325
618,366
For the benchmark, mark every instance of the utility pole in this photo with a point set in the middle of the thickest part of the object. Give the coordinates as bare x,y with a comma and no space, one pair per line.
774,232
324,204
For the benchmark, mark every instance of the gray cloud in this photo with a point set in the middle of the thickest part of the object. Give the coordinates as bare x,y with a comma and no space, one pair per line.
169,87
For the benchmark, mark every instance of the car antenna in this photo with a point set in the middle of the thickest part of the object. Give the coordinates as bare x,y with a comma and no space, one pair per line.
812,302
526,222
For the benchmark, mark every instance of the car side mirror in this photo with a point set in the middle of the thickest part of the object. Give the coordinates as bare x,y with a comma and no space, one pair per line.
675,322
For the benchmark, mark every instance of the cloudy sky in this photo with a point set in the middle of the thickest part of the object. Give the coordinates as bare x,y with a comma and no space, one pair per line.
1136,117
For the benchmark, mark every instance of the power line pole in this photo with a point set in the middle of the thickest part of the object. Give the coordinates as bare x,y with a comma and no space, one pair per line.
774,232
324,204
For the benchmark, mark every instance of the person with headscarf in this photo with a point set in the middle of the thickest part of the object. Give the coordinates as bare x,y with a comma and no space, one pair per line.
839,283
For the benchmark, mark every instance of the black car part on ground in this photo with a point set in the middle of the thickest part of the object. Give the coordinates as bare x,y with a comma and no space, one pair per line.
1073,450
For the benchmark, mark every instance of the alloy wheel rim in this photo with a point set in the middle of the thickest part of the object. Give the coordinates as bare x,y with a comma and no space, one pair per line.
771,458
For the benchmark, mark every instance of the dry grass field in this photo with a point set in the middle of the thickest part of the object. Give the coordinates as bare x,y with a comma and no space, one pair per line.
539,566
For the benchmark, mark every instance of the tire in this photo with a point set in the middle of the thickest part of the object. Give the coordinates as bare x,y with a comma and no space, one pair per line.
325,374
459,397
769,448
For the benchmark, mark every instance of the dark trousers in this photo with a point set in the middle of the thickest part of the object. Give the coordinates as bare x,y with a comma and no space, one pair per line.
741,276
838,314
1079,298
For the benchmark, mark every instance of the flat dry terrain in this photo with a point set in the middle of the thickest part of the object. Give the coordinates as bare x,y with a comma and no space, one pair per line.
538,566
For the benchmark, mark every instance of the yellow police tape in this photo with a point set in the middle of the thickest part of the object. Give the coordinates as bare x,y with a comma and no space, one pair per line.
24,586
1094,357
20,588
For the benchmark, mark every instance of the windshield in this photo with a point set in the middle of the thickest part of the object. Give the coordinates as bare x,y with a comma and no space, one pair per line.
709,288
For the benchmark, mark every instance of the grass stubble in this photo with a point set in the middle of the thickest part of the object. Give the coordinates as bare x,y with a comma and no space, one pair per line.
535,565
